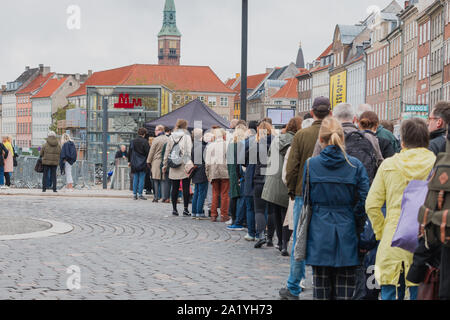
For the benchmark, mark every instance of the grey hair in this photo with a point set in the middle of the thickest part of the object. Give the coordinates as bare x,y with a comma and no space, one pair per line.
344,112
363,108
51,134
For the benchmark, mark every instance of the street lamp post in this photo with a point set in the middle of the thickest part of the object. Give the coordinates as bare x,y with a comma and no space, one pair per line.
244,59
105,93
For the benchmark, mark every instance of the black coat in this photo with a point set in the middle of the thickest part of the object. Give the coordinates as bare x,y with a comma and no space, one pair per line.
199,175
139,145
437,141
386,147
3,157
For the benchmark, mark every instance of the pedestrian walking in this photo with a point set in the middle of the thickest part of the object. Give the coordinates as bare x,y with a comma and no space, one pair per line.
67,158
154,160
3,156
302,148
9,160
217,173
275,191
199,178
137,161
179,149
50,153
338,186
414,162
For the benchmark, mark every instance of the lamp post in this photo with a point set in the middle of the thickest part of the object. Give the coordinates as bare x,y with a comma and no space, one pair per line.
244,59
105,93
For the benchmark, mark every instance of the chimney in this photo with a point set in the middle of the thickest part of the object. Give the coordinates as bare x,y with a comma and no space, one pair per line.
269,70
77,76
27,68
238,75
44,70
406,4
41,68
89,73
3,87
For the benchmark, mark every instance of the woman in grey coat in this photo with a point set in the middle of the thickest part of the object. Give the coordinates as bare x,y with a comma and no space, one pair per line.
275,191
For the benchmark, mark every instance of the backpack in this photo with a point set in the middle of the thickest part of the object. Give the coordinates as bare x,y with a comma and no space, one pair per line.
358,146
434,219
175,158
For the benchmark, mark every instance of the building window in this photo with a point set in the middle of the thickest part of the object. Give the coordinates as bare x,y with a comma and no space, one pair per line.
212,101
224,101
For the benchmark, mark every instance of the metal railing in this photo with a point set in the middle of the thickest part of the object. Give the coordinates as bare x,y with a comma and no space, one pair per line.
24,176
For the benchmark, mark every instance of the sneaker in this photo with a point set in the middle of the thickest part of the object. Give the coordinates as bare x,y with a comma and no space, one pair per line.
269,243
134,197
235,228
202,217
142,198
285,253
249,237
285,294
213,219
303,284
3,187
175,213
227,221
260,243
194,216
186,213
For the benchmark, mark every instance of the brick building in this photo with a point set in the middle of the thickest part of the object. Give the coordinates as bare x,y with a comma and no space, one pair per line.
304,92
395,74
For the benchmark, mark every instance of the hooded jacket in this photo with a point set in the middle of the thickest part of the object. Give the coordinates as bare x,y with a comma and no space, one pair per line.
275,191
338,191
392,178
50,152
68,153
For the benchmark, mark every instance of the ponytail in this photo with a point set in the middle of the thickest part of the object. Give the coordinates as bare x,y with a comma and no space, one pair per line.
331,133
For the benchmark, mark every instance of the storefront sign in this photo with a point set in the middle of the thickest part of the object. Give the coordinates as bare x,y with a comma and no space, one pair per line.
338,88
124,102
416,108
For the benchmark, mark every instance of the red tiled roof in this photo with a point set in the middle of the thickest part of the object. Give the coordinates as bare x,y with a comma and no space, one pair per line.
302,71
289,90
229,83
252,81
180,78
51,86
326,52
319,68
35,84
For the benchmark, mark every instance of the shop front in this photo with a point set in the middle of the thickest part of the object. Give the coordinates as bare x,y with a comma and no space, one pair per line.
129,108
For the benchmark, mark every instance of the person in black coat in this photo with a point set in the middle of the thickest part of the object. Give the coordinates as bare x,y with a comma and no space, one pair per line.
3,155
437,126
199,178
137,161
121,153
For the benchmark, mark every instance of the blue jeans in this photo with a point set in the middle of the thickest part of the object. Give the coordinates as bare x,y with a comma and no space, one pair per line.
240,212
250,216
198,201
138,183
2,175
390,292
297,272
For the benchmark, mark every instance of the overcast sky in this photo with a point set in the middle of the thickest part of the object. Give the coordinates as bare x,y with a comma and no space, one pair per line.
117,33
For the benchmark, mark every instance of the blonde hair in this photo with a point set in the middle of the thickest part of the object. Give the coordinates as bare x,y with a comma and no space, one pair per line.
264,129
332,134
239,133
65,138
219,133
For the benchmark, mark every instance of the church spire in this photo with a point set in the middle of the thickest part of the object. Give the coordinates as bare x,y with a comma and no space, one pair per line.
169,27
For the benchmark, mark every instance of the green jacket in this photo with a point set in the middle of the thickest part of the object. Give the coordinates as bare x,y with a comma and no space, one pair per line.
386,134
50,152
302,148
275,191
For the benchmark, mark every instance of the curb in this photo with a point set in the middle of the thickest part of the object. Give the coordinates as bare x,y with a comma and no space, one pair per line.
56,229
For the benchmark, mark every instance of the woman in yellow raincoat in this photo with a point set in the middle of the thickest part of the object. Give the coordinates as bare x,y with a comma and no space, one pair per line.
414,162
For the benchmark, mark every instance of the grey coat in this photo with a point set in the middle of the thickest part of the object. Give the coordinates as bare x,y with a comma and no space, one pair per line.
275,191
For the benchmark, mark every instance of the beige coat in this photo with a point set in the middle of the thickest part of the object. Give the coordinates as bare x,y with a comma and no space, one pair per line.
185,145
155,156
216,160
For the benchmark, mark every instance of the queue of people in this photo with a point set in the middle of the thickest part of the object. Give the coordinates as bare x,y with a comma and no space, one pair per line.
343,165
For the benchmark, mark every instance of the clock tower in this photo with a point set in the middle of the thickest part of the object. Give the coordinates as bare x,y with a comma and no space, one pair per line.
169,38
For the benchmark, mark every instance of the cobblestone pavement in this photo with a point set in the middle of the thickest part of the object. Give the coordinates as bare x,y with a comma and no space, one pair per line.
129,249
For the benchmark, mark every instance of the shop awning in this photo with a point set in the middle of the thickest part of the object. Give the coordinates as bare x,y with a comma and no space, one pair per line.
193,111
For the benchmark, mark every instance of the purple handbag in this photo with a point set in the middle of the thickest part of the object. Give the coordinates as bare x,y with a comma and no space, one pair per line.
407,234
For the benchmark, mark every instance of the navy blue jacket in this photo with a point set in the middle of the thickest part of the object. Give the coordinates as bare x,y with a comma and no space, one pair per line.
338,193
68,153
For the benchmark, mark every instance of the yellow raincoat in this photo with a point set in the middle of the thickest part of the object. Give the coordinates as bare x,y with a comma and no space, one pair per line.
392,178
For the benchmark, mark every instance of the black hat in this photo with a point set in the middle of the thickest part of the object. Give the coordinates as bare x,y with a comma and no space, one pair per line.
321,104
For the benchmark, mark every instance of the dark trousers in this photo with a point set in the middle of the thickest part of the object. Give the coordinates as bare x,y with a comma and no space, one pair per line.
148,184
260,209
233,208
277,215
333,283
175,187
7,178
444,286
52,170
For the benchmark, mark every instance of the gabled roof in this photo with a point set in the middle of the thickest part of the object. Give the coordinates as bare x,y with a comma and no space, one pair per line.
252,81
288,91
179,78
327,52
349,32
50,88
36,84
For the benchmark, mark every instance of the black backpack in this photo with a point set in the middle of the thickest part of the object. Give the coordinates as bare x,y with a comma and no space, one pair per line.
358,146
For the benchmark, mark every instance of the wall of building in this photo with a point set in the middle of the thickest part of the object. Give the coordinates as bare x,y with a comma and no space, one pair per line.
356,83
320,84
